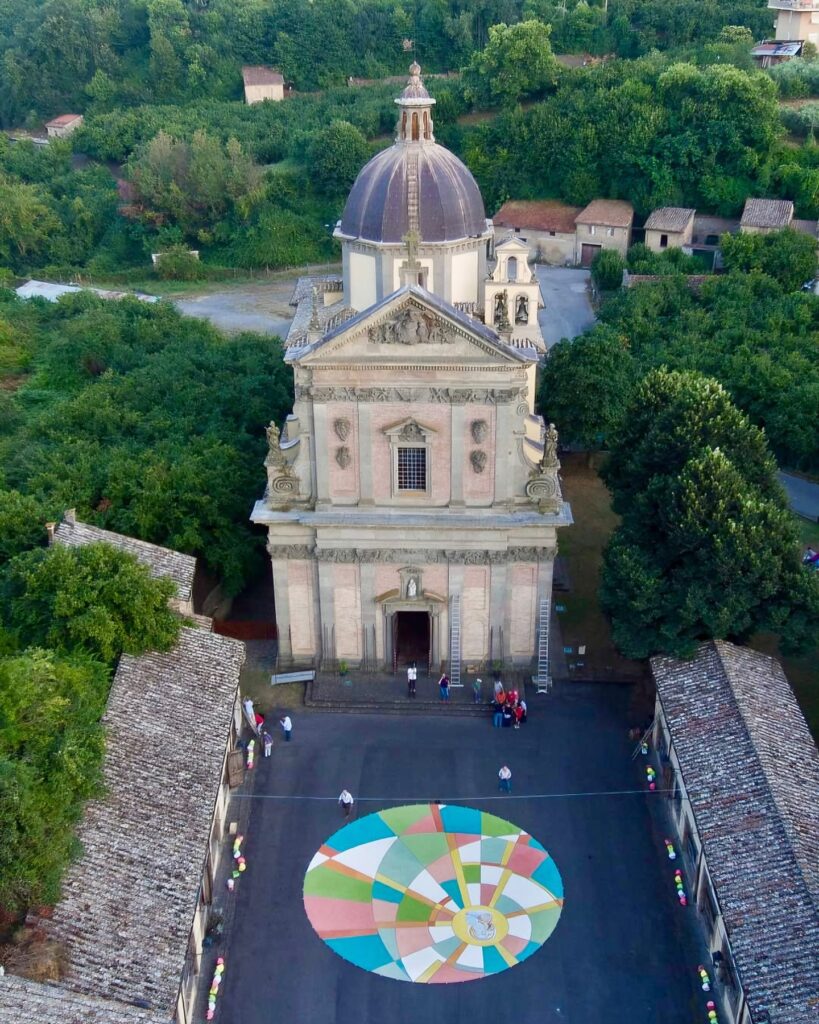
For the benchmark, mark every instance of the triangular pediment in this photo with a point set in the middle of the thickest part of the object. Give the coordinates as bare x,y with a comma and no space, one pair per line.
411,323
511,242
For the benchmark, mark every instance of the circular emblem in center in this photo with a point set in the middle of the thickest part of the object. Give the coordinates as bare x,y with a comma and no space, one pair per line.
480,926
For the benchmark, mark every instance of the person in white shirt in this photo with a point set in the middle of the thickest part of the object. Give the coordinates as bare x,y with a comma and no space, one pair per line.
287,726
505,779
412,677
345,802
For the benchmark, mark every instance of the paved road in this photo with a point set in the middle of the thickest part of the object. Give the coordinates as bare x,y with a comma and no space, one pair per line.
259,307
623,949
803,495
568,311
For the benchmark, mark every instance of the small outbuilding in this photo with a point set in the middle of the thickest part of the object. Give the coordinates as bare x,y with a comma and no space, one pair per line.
262,83
64,125
762,216
546,225
603,224
670,227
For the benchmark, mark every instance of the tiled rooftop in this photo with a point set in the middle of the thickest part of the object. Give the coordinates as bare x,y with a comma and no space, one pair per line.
613,213
669,218
751,770
29,1002
160,561
261,75
128,902
537,215
767,213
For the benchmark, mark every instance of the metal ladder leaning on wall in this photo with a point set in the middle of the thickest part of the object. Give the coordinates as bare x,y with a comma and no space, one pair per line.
543,681
455,641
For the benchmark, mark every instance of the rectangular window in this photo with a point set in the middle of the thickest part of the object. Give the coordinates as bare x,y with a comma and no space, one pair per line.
591,229
610,232
412,469
552,234
663,241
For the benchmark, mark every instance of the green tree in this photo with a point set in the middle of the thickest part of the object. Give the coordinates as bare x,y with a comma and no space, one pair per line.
516,63
336,155
586,385
607,269
22,524
702,555
26,223
51,746
674,416
96,599
787,256
178,264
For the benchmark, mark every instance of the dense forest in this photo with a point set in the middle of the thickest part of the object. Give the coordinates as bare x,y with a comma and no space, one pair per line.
102,54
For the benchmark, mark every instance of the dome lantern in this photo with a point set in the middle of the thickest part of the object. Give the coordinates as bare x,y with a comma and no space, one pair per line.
415,105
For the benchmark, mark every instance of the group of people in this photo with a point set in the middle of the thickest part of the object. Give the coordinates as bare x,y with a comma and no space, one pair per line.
257,723
508,708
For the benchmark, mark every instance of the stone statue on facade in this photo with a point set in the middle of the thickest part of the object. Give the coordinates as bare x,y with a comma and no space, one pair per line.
543,486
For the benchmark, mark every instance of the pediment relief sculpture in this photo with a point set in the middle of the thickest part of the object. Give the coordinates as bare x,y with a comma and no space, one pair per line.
411,432
410,326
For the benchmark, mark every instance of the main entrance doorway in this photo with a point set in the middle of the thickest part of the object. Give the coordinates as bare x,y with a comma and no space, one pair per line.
412,636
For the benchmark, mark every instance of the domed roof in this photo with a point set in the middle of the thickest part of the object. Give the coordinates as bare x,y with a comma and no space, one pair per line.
449,201
416,185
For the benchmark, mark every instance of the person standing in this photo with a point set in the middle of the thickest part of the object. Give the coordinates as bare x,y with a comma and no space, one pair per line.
412,678
443,684
345,802
476,691
505,779
518,712
267,739
287,726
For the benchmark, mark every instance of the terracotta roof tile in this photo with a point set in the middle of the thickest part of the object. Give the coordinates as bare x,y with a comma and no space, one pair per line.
669,218
751,771
260,75
23,1000
537,215
611,213
767,213
128,903
160,561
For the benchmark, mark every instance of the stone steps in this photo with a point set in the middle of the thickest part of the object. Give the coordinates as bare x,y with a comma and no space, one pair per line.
397,707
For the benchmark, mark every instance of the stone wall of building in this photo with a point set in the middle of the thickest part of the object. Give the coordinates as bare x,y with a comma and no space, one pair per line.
523,611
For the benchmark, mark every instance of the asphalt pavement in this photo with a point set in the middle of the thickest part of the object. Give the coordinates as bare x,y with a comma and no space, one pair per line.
568,311
623,949
803,495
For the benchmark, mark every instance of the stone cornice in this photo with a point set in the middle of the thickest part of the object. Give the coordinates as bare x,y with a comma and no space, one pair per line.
435,395
412,555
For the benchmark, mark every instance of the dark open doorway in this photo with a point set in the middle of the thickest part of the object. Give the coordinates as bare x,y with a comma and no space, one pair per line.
412,639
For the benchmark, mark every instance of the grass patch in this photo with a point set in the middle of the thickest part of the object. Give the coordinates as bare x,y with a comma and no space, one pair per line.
581,547
255,683
808,533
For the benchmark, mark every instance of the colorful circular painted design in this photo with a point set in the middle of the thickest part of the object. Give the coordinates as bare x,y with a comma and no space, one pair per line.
433,893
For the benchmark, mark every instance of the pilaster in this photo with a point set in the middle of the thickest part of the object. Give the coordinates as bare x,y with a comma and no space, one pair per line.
321,451
457,427
365,454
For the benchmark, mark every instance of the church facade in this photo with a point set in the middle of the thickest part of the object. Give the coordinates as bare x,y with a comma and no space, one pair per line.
412,499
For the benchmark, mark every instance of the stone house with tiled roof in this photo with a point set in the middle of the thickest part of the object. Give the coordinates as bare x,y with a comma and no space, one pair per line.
603,224
761,216
742,773
161,562
262,83
546,225
669,227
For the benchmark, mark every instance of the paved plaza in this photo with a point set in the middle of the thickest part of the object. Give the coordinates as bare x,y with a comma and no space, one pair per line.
619,948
